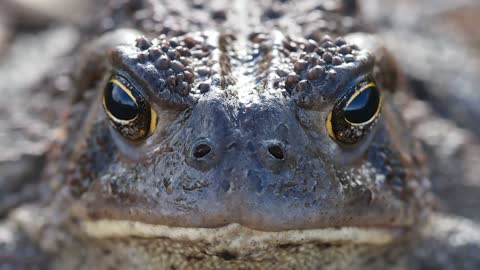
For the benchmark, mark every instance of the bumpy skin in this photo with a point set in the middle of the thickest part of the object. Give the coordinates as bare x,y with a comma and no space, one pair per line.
240,94
239,89
248,107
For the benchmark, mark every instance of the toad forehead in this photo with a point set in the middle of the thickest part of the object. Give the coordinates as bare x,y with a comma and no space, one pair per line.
179,71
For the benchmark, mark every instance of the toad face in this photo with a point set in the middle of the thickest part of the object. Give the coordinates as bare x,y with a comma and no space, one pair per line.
270,133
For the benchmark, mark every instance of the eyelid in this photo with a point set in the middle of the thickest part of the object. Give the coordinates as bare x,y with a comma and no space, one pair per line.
129,81
351,84
125,89
358,91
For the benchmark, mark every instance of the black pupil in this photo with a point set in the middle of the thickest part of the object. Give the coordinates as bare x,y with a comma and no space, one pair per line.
363,107
119,103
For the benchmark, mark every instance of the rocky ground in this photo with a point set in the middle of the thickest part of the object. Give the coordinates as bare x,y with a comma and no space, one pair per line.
437,44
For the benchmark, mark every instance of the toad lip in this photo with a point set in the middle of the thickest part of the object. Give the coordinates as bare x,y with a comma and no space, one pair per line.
236,236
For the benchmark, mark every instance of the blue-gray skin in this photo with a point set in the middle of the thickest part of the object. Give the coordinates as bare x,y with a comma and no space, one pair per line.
242,137
241,104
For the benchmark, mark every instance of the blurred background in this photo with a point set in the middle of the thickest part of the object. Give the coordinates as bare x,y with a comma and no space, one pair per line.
436,43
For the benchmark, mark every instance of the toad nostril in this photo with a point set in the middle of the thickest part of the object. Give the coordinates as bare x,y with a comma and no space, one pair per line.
201,150
276,151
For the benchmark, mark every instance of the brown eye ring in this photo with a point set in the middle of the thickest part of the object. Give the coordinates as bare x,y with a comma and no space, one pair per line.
127,109
355,113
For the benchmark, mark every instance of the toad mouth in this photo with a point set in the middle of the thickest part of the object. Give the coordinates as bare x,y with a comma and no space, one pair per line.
235,236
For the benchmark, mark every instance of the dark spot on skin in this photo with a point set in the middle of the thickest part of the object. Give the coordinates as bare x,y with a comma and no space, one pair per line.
288,246
323,246
250,146
371,261
201,150
193,258
281,72
369,195
257,181
204,87
232,146
276,151
173,43
168,185
225,185
227,256
114,188
142,43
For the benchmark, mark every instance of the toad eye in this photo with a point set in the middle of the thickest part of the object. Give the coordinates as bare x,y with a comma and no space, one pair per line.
355,113
128,110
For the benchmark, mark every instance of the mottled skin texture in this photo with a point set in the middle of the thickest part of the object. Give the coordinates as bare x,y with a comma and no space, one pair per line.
248,107
240,94
239,88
